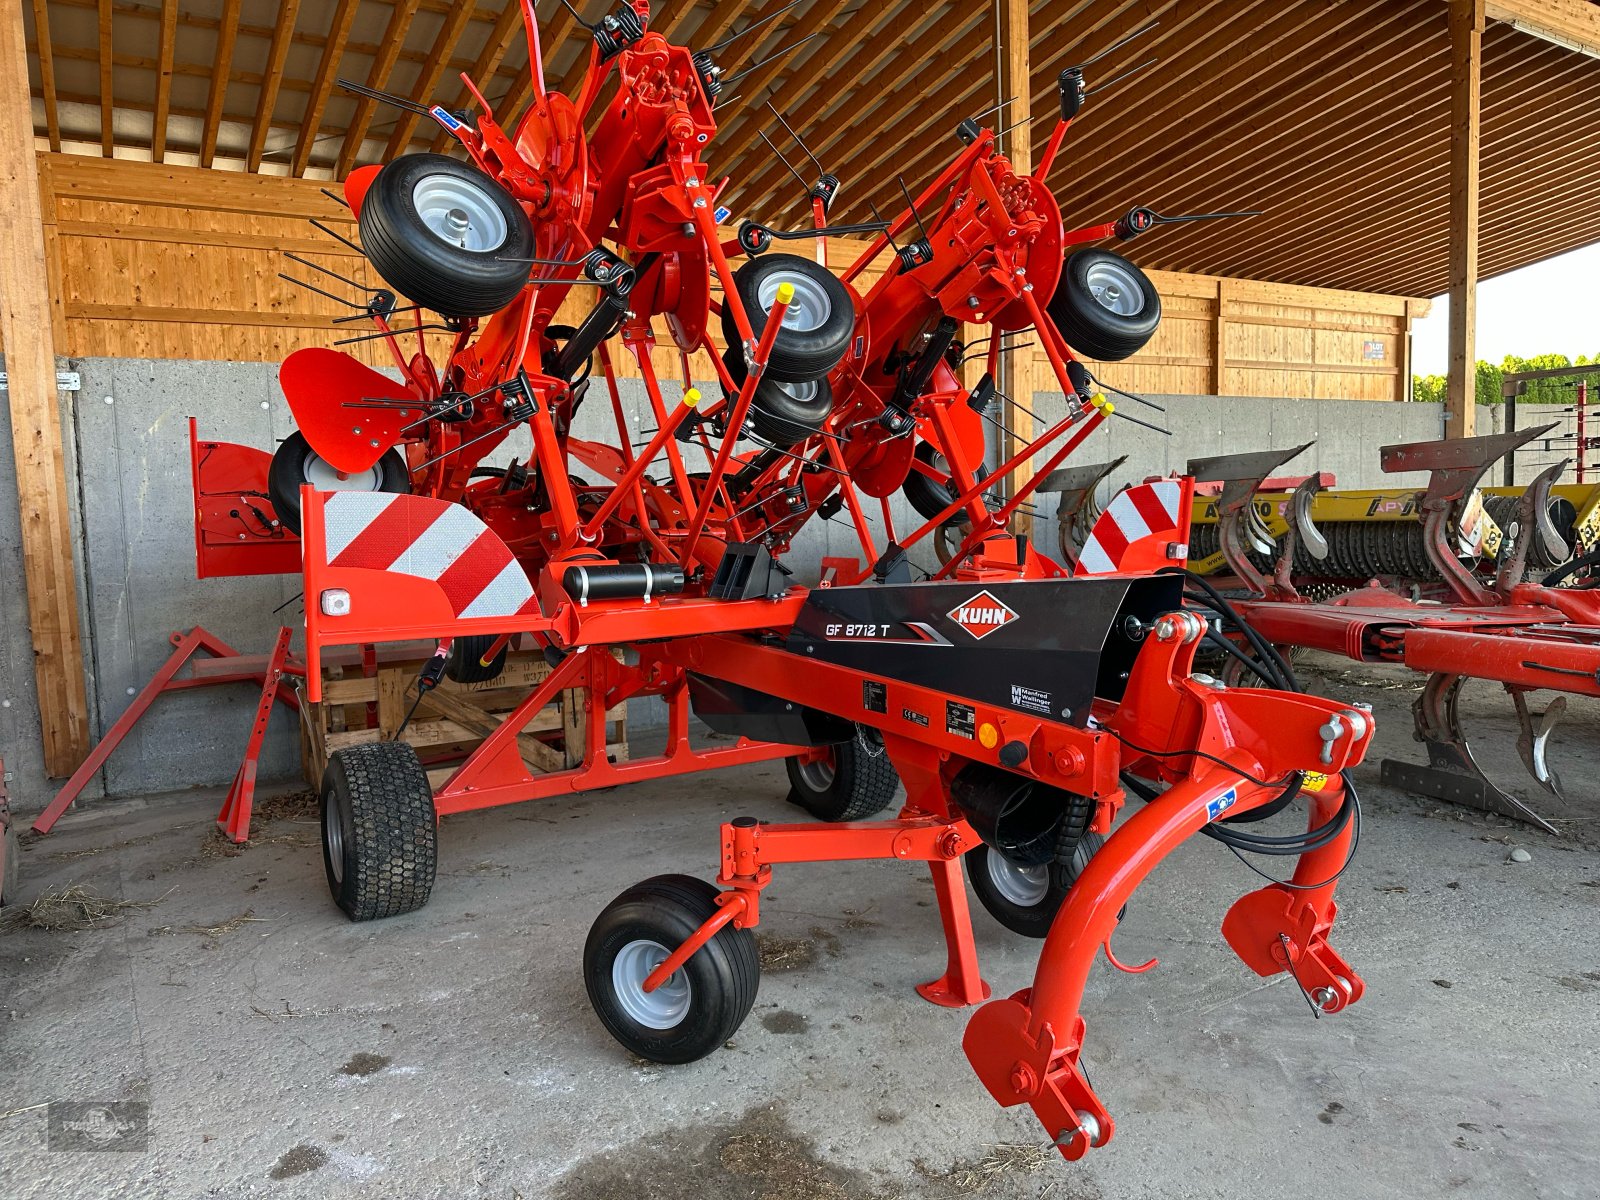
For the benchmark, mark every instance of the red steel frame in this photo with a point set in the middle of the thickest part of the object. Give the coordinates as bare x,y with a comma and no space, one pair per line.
995,242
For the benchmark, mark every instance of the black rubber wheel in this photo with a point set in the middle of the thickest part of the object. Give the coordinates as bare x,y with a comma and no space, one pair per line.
851,781
380,836
439,231
928,496
700,1006
783,414
464,664
816,329
1104,306
295,462
1025,899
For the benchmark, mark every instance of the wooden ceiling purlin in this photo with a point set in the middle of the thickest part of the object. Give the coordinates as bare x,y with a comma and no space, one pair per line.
1309,183
930,142
1416,179
217,97
394,36
1330,114
834,132
44,51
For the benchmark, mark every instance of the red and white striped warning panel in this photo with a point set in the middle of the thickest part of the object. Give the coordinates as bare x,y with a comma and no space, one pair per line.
1144,528
430,539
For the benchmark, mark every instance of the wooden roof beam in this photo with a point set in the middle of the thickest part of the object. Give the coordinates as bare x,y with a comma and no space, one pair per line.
1416,178
169,36
327,71
1303,172
221,68
47,71
488,62
827,126
394,36
1574,24
106,98
279,51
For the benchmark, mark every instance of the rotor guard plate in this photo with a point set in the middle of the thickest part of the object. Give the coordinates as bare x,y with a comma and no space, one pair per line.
323,385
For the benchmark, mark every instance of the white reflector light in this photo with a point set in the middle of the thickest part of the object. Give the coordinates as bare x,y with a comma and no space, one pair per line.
335,602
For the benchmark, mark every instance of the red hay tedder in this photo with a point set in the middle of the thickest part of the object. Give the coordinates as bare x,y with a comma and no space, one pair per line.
1019,704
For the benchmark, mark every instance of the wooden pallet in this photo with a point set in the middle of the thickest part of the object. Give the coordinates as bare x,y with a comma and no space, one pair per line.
369,704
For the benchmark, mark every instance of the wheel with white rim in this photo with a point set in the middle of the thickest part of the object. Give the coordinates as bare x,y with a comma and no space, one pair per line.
699,1006
850,781
1104,306
445,235
1025,898
783,414
295,462
817,325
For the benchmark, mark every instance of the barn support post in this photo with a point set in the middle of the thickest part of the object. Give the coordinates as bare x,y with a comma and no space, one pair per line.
1017,365
26,324
1466,60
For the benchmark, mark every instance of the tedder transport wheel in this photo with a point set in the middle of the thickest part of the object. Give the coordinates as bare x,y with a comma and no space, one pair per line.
465,661
817,326
697,1008
380,837
1105,306
1024,898
851,781
783,414
928,496
446,236
295,462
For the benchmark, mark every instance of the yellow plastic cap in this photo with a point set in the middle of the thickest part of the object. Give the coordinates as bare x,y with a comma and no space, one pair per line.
692,397
785,292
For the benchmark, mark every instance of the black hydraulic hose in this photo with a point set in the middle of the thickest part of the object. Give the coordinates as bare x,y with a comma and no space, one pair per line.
1257,843
1267,652
1568,569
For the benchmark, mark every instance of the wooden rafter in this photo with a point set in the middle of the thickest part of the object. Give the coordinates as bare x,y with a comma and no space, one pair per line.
428,79
269,87
1572,23
169,38
338,34
488,62
227,34
47,72
107,99
394,36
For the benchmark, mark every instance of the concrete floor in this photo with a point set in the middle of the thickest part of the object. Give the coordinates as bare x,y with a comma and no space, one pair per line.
452,1053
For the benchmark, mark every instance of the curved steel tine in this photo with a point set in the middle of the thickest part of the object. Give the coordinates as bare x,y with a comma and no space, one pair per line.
1300,517
1256,527
1533,741
1538,496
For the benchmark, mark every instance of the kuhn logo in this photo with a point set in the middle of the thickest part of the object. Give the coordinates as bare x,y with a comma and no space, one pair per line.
981,615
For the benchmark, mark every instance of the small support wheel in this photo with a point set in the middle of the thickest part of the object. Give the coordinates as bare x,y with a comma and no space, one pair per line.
851,781
380,835
700,1006
1025,899
295,462
465,662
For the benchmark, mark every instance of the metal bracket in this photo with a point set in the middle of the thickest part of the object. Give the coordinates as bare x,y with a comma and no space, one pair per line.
66,381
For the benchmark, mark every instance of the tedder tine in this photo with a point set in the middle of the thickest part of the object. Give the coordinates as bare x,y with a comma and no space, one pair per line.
1453,772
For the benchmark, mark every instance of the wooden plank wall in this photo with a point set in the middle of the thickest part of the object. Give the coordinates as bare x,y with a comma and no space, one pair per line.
162,261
